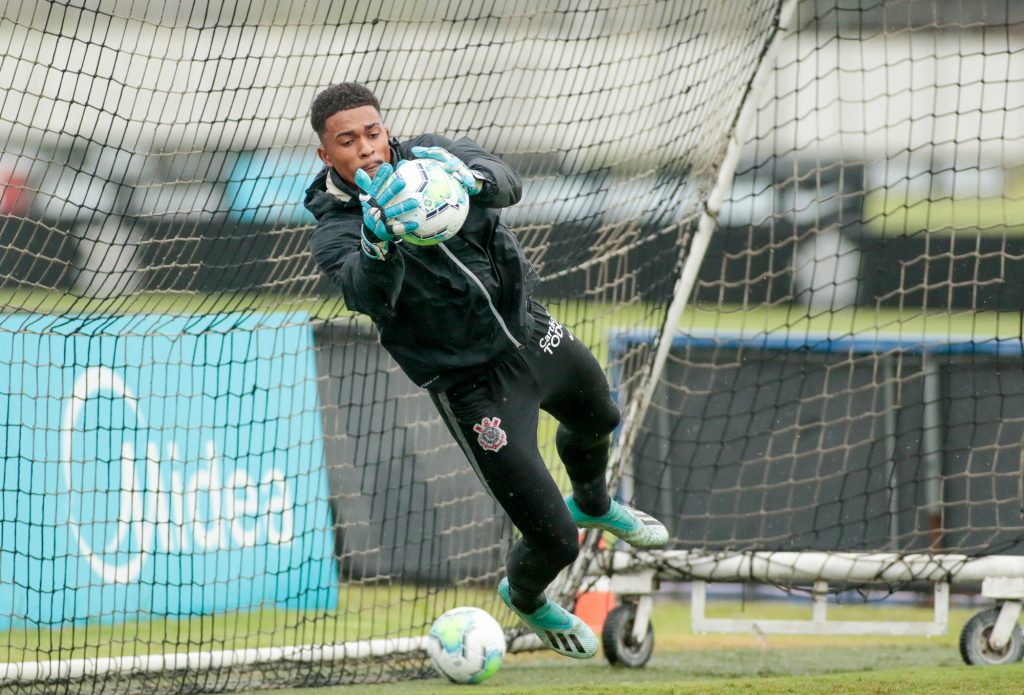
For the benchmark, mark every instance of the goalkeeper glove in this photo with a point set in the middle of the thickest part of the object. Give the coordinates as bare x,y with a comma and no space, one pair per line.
453,165
379,226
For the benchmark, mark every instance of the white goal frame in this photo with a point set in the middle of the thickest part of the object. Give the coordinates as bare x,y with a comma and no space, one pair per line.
71,669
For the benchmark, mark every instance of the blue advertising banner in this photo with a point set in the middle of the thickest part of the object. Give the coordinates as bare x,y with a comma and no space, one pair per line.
160,466
268,186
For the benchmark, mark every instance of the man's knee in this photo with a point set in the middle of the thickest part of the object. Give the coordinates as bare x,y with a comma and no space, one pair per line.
558,549
590,432
609,420
564,552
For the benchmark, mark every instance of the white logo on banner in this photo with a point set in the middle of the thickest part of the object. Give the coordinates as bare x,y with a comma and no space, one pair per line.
163,511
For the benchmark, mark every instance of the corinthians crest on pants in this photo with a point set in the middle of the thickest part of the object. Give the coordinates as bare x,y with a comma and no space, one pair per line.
491,436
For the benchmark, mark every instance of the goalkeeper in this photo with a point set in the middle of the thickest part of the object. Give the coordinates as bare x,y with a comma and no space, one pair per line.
459,319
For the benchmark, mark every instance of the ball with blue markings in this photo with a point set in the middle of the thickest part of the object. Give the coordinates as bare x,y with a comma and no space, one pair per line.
444,202
466,645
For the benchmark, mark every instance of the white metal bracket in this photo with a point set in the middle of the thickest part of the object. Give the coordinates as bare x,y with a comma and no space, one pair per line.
644,607
1009,590
1002,631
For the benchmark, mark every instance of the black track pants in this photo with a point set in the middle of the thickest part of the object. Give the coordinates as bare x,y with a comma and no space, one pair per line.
493,417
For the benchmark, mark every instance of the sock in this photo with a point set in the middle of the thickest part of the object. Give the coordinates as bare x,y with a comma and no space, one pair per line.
525,602
592,496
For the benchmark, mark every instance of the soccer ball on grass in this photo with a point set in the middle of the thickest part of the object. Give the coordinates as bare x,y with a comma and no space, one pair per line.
466,645
444,203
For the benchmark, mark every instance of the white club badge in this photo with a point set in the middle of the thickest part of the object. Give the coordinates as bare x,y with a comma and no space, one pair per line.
491,436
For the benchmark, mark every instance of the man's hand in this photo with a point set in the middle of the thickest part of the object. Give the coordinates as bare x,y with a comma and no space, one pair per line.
378,217
453,165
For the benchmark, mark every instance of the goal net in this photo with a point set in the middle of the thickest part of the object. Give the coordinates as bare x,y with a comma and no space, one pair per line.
213,477
846,374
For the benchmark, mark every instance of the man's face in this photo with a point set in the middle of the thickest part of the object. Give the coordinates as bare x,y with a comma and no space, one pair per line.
355,139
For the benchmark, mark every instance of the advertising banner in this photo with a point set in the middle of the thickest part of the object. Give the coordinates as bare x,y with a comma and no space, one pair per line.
160,466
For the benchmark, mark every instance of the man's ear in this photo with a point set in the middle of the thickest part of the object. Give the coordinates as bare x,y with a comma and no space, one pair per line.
321,152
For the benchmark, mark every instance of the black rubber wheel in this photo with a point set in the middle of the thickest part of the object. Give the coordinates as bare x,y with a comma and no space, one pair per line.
974,646
617,638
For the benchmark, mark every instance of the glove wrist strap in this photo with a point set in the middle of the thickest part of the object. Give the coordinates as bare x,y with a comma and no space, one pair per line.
375,249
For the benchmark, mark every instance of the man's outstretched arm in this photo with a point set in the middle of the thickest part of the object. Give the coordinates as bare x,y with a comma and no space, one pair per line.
369,283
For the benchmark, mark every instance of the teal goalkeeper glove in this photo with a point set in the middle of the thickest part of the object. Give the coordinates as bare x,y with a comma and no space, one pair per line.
379,226
453,165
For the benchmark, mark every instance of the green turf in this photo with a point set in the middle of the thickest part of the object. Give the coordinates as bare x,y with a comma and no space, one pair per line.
674,674
731,672
183,303
593,321
365,612
747,664
682,663
995,216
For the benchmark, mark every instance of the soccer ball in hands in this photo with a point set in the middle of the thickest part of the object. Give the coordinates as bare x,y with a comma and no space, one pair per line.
444,203
466,645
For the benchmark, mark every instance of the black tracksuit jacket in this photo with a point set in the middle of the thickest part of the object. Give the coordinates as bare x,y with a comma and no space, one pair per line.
444,312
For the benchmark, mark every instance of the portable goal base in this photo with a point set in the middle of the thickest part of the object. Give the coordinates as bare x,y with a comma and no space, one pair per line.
1001,578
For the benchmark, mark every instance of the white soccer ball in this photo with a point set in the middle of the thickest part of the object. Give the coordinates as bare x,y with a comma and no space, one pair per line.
444,202
466,645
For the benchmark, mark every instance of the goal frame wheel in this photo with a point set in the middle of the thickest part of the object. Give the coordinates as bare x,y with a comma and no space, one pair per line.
975,647
620,647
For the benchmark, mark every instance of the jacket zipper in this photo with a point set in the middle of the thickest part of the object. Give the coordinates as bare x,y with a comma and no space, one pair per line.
475,279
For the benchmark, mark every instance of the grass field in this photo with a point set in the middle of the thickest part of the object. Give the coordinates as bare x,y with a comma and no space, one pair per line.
682,663
748,664
999,216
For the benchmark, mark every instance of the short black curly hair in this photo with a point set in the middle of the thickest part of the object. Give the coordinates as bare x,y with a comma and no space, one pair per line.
339,97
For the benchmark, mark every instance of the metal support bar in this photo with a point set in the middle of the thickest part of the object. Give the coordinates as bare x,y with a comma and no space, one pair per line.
942,603
634,583
69,669
819,624
644,606
1009,614
931,448
788,567
819,602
